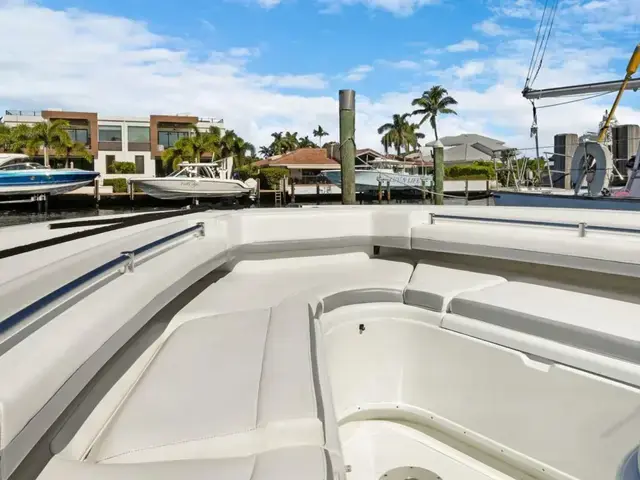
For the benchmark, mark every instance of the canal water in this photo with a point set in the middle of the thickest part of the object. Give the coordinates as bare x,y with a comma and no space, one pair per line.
16,217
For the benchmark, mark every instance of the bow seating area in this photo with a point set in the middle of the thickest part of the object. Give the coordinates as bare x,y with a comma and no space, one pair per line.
312,356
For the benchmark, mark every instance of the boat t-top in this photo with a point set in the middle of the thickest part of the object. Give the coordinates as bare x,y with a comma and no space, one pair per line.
198,180
20,177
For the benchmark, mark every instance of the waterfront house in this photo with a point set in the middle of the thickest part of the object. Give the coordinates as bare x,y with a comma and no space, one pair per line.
110,139
464,149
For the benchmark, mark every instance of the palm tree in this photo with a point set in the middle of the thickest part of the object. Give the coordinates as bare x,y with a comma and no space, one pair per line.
414,135
19,140
48,135
305,142
70,148
265,151
199,143
319,133
291,141
433,102
397,133
5,138
277,146
176,155
191,148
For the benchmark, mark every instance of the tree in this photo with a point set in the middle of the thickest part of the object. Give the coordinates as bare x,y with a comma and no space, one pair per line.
291,141
319,133
191,148
69,148
20,137
5,138
176,155
398,133
284,143
305,142
413,137
433,102
265,151
48,135
235,146
277,146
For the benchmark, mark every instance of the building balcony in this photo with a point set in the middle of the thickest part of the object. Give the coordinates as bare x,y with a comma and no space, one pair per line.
110,146
139,146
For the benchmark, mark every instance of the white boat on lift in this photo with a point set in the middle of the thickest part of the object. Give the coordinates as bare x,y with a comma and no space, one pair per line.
398,175
331,343
198,180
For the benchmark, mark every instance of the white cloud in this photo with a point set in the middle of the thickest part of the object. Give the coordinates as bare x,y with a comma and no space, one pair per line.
401,64
464,46
594,5
269,3
491,28
397,7
243,52
115,65
358,73
469,69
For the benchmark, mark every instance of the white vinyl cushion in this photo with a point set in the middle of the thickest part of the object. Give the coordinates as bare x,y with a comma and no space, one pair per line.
597,324
224,386
246,290
310,463
433,287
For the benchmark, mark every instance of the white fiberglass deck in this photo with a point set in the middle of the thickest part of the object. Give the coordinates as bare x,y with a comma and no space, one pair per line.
315,358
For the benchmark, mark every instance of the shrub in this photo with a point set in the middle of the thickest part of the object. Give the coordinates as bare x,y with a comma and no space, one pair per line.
270,177
247,171
119,184
477,170
122,168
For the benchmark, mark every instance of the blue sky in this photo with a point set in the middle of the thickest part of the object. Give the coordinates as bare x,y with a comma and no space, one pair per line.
269,65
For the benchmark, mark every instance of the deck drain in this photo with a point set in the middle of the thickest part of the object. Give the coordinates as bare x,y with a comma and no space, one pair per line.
410,473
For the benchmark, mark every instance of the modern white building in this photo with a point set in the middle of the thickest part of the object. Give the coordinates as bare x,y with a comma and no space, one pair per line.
110,139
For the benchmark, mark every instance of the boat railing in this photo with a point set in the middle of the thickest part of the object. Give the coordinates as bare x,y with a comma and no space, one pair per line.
581,227
39,312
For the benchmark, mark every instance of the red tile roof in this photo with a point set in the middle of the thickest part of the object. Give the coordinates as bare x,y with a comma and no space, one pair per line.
302,156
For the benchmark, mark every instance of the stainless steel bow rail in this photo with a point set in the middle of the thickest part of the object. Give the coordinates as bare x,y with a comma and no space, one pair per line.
581,227
61,299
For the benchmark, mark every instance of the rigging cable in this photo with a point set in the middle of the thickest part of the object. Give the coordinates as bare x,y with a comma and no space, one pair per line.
533,60
576,100
545,42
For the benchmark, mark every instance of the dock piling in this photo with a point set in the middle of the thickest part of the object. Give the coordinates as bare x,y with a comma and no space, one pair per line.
348,146
466,192
488,193
438,172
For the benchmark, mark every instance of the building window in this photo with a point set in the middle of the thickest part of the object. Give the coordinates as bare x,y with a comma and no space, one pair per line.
168,139
111,159
139,163
79,135
110,133
138,134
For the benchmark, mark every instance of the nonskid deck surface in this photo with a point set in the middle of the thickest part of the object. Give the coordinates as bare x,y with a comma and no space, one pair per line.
308,361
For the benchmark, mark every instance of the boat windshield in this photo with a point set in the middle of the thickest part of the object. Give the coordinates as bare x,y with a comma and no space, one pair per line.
21,166
199,171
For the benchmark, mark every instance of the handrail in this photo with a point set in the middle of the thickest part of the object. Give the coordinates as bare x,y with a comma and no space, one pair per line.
125,259
581,226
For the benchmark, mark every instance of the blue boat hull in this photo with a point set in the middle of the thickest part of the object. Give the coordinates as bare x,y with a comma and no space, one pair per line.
45,181
547,200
